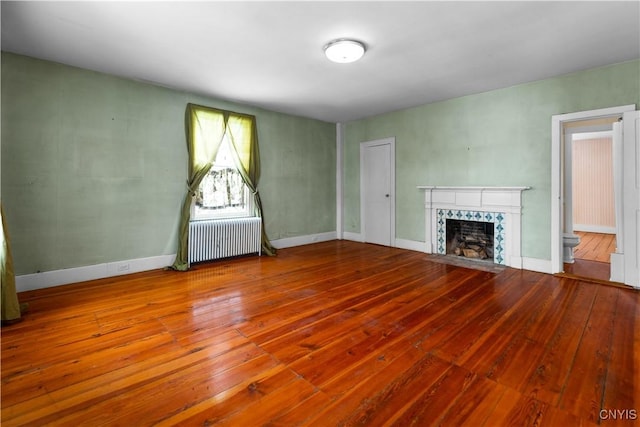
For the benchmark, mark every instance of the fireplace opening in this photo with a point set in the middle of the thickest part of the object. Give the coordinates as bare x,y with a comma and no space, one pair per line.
470,239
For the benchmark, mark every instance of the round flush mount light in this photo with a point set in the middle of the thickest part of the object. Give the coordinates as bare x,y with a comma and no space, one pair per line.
344,50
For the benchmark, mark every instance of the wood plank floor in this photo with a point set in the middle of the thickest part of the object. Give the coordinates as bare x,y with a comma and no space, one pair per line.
589,270
595,246
592,256
335,333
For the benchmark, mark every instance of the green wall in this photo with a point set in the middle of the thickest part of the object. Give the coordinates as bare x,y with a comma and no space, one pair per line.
94,167
501,138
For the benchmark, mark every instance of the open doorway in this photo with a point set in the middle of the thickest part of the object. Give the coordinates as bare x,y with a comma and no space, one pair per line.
589,203
561,232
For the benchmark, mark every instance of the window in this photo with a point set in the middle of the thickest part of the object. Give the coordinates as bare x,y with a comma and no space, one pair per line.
222,193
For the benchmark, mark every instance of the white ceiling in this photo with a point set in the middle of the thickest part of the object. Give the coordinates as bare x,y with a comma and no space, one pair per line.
269,54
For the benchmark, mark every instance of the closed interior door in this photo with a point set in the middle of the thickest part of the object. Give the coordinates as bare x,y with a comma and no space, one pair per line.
377,192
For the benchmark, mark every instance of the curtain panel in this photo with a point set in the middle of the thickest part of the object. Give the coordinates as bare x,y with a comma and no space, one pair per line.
10,306
206,128
243,135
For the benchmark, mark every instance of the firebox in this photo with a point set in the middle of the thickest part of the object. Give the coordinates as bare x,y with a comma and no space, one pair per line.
470,239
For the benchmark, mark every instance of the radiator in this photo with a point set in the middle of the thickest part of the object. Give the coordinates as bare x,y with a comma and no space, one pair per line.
224,238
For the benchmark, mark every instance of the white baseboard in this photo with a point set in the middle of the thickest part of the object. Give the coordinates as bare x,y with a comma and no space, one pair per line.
515,262
411,245
48,279
289,242
617,267
594,228
532,264
355,237
536,264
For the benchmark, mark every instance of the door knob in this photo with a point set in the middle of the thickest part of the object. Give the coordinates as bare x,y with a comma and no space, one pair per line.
386,195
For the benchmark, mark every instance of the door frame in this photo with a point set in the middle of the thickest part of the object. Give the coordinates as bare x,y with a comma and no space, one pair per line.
557,185
391,141
631,198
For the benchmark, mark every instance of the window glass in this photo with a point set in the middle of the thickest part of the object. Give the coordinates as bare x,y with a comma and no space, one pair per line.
222,193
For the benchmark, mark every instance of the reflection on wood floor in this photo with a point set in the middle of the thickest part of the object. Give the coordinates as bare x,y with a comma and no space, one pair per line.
334,333
592,256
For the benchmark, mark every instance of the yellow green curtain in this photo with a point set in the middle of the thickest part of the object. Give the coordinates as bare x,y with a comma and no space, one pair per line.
205,129
10,305
243,135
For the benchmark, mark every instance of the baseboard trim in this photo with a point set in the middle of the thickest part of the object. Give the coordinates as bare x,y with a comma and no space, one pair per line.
411,245
48,279
594,228
289,242
536,264
354,237
617,267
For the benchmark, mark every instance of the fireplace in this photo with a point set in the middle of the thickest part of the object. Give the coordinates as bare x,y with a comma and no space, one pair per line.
484,220
471,234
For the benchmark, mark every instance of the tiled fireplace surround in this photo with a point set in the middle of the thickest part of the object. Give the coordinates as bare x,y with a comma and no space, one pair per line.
501,206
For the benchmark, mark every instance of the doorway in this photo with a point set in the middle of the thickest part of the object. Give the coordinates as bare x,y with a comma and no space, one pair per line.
560,124
589,202
377,191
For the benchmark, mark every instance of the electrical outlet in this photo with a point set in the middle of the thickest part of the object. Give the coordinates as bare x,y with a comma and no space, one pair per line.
124,267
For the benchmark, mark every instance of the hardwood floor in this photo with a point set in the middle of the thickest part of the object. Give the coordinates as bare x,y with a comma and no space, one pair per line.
592,256
589,270
595,246
335,333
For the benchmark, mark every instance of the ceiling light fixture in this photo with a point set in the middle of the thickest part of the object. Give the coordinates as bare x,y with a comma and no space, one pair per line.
344,50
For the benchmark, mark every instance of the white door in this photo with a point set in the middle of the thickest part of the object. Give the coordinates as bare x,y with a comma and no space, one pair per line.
377,191
631,190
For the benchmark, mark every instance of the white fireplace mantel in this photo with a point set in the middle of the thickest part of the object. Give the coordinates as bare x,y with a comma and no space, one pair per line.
506,201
